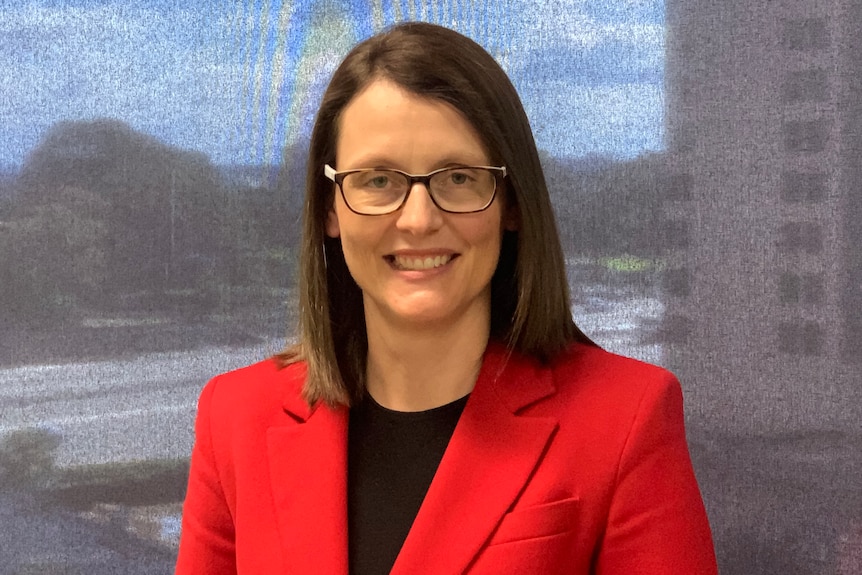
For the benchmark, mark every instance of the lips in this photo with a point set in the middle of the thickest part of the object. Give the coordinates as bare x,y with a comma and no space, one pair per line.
408,263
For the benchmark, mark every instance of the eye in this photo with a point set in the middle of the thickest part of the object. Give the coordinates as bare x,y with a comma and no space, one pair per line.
378,181
459,177
373,180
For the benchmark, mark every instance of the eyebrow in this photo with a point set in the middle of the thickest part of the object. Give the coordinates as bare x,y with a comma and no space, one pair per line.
380,162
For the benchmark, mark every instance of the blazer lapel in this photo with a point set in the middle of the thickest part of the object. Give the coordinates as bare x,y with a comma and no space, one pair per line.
308,468
490,457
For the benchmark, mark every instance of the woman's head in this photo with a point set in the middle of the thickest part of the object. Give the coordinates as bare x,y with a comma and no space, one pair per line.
529,308
419,212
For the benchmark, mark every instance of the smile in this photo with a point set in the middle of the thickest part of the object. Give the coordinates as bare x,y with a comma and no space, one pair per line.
410,264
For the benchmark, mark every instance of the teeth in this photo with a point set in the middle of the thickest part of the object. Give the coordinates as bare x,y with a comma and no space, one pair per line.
406,263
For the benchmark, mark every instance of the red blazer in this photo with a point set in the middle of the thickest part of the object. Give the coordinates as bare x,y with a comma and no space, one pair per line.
575,468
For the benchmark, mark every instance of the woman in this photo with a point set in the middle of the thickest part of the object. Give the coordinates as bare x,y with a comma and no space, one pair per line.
442,413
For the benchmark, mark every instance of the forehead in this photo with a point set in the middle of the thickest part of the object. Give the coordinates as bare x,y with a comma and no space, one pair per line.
386,124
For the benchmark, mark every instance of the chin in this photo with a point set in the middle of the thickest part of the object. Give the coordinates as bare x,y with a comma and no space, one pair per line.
422,314
427,307
430,311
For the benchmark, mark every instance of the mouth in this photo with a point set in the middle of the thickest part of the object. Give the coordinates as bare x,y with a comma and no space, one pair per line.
408,263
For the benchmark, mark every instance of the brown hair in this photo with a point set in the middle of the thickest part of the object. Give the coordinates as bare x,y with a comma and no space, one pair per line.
530,306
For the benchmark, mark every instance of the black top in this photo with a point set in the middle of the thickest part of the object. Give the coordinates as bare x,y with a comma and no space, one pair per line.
392,457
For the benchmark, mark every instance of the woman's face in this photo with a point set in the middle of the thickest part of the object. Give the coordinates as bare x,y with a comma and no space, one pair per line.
418,264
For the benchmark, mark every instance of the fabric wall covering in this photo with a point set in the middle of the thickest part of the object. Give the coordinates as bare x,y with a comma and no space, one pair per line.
705,159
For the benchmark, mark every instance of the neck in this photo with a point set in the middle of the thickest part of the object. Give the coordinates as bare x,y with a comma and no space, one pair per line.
417,367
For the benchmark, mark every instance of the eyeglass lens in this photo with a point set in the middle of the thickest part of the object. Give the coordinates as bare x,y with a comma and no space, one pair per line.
454,190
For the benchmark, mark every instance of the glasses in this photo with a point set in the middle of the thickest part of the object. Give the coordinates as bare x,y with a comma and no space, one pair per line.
375,192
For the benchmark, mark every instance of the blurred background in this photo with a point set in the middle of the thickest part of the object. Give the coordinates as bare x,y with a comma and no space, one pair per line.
704,158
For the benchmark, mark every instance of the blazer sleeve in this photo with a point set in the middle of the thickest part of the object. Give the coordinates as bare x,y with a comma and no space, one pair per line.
207,538
657,523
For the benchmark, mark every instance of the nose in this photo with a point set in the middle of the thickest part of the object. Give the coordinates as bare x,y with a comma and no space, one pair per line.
419,215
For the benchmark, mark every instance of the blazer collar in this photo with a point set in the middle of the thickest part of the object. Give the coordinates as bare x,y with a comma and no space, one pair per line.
293,379
489,459
308,472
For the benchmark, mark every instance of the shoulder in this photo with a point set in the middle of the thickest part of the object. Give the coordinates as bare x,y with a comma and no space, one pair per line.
253,391
588,361
612,414
589,371
594,389
264,374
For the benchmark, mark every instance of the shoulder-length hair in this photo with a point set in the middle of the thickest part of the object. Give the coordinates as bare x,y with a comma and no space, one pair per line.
530,305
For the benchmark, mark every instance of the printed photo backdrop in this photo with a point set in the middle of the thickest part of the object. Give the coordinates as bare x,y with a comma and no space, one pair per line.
704,161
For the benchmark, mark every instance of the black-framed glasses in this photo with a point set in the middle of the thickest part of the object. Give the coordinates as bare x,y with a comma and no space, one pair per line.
376,191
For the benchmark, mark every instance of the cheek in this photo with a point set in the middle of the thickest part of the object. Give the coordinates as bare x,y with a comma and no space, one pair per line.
356,259
486,235
359,240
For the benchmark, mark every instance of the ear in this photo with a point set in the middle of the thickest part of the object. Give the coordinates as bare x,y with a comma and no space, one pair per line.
512,219
333,230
